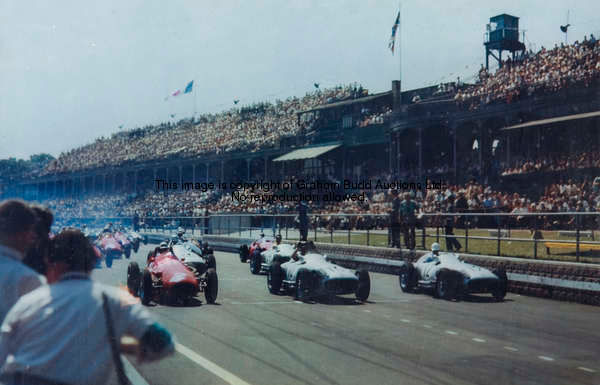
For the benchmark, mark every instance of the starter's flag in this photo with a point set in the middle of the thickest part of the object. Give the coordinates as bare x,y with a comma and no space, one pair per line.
392,41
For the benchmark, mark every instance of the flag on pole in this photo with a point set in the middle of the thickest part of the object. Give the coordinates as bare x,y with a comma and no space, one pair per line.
176,93
189,87
392,41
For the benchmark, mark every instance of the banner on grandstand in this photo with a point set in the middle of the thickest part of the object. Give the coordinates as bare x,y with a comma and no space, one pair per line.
392,41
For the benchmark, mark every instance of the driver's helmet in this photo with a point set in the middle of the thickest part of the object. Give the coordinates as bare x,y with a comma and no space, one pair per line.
436,247
163,246
180,231
262,235
302,246
278,238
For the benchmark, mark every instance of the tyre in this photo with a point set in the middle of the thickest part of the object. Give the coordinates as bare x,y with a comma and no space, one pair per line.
244,253
255,263
127,252
134,277
364,285
302,290
212,286
407,278
146,289
136,246
275,278
211,262
443,286
500,291
109,259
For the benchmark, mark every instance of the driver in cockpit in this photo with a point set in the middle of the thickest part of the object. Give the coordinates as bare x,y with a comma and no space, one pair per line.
301,249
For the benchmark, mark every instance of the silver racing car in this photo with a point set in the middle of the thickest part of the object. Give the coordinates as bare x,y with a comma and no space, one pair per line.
451,278
311,275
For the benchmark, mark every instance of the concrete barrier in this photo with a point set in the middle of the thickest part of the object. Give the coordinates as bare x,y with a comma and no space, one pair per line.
565,281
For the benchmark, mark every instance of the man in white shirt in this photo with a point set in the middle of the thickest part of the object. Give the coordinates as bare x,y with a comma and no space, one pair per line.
58,333
17,235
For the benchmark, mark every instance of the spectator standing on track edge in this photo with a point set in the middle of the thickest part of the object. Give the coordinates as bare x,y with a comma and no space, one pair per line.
395,220
303,219
17,236
452,243
46,337
408,209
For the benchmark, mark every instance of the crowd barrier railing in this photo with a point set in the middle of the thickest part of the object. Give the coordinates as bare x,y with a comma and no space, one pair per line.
568,236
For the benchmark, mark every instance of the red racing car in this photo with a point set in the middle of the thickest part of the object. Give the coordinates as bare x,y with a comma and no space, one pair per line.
110,247
169,280
261,244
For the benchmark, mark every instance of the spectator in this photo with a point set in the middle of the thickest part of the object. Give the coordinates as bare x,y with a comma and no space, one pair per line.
41,337
17,236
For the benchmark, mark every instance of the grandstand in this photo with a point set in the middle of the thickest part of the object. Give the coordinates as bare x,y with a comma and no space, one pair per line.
507,141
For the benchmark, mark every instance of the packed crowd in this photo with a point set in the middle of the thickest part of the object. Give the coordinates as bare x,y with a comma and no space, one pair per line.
370,213
247,129
554,162
547,70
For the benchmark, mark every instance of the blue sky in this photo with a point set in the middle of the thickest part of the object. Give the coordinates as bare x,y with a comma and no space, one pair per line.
72,71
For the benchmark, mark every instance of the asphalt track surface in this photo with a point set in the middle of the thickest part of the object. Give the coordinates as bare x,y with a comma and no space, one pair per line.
253,337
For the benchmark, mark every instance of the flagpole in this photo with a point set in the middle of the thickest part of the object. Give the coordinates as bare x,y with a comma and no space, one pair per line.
400,42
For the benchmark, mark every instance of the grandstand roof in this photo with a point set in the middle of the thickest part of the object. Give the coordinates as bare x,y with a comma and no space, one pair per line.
349,101
306,153
559,119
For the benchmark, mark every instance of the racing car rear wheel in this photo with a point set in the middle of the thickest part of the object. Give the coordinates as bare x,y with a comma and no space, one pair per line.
146,289
407,278
128,252
136,246
255,263
212,286
134,277
364,285
274,278
244,253
500,291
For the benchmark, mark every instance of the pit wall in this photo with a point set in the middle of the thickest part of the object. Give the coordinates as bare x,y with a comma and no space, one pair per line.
563,281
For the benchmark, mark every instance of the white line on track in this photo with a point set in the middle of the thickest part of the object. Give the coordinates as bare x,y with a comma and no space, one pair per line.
546,358
134,376
406,321
586,369
215,369
451,332
427,326
479,340
261,303
367,311
510,348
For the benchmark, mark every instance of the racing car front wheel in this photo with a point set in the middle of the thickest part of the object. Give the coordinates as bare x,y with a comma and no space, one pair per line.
244,253
364,285
274,278
407,278
146,288
211,262
500,291
212,286
255,263
134,277
109,259
445,286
